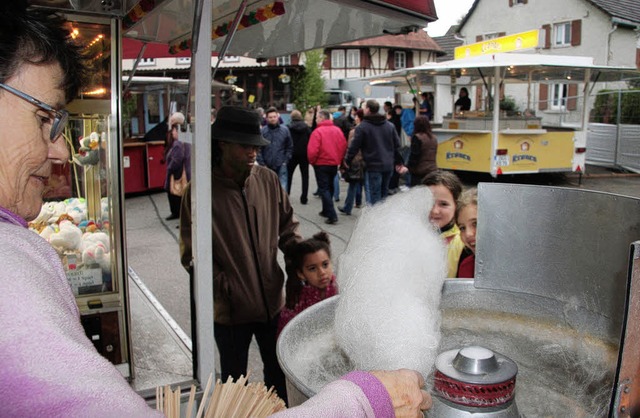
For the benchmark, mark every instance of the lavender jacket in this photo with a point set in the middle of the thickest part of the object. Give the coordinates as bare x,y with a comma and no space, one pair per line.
356,395
48,366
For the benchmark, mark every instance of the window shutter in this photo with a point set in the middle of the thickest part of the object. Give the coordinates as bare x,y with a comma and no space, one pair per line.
390,59
479,38
271,62
365,59
543,97
295,59
576,32
409,59
510,3
502,34
637,57
572,99
547,36
525,1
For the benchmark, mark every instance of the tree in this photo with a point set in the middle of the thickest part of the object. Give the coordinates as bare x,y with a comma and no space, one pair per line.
308,86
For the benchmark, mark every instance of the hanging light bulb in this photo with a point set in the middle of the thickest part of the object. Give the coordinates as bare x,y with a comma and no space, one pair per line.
284,77
231,79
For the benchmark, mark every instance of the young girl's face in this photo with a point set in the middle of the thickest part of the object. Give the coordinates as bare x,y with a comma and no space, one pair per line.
444,207
467,222
317,269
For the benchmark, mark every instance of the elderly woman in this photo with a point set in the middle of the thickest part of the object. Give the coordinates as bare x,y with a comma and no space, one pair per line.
49,366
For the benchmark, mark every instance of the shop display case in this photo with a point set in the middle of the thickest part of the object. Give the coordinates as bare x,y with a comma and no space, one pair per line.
81,216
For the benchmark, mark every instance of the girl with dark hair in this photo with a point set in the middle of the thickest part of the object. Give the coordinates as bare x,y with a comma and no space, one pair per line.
424,147
310,276
464,102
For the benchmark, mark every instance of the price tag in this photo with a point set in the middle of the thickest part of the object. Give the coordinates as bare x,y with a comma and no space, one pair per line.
502,160
85,280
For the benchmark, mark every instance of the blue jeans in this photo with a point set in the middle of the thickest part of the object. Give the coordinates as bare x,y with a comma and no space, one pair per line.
354,192
282,175
336,187
325,175
376,185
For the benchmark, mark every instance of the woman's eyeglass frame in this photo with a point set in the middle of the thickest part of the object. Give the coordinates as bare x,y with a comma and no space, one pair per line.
61,117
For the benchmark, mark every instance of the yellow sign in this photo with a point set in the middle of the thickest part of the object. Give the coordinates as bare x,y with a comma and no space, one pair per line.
515,42
251,98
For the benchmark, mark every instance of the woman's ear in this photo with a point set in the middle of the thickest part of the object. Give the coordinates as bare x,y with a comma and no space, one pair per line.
301,276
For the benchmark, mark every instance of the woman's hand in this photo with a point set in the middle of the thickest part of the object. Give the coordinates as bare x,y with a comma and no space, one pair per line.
405,389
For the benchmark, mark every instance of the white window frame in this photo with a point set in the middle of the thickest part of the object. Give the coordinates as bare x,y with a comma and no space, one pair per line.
492,35
183,61
353,58
562,34
558,96
283,61
337,58
399,59
147,62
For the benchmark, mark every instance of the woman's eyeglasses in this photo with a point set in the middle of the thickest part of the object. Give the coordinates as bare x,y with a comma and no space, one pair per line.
60,119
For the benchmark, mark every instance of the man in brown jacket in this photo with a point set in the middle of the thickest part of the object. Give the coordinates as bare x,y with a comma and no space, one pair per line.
252,218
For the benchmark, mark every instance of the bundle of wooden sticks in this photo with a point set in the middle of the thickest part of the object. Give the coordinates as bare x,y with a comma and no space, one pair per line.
230,399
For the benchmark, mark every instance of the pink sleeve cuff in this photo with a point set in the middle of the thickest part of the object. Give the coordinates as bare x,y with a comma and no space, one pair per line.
375,392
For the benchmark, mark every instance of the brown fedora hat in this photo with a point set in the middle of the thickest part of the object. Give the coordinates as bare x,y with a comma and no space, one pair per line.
238,125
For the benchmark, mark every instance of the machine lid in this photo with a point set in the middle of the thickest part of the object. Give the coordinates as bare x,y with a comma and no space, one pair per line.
475,364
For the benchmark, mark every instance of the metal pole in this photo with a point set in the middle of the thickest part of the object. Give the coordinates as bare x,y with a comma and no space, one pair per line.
496,120
201,196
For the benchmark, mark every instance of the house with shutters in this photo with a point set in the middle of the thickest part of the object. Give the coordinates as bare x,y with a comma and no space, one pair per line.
606,30
346,64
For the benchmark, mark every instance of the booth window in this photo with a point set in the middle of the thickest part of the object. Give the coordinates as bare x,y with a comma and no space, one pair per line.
400,60
147,62
283,61
337,58
183,61
353,58
559,93
562,34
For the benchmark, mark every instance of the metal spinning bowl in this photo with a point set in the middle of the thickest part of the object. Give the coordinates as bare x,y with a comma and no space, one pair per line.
550,291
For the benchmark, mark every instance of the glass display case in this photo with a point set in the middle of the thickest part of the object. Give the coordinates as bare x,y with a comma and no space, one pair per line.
81,214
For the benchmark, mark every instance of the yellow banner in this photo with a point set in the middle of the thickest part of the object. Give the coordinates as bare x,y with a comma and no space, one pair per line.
515,42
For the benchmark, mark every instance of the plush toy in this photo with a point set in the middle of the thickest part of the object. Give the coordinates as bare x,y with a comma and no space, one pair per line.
95,249
68,236
89,152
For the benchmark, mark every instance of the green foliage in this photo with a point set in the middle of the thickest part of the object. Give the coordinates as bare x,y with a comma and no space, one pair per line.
508,104
308,86
605,108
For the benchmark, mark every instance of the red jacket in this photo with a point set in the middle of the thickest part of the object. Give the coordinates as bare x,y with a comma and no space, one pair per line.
327,145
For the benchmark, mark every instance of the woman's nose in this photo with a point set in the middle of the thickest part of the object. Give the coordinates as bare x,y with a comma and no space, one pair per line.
58,151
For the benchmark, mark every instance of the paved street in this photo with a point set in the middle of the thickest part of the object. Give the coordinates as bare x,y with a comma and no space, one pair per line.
152,244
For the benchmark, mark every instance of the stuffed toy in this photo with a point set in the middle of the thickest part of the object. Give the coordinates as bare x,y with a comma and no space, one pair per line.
67,237
95,248
89,152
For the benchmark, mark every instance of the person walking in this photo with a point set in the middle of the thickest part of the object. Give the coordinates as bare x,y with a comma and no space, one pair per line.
252,218
300,133
378,140
326,150
424,148
354,175
277,154
177,156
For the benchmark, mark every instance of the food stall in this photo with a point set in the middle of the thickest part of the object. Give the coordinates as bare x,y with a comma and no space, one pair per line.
92,186
494,137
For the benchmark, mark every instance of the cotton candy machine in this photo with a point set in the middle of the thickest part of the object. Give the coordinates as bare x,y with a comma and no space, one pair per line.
553,293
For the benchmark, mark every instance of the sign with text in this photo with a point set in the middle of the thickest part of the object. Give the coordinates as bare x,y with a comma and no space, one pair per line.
509,43
85,281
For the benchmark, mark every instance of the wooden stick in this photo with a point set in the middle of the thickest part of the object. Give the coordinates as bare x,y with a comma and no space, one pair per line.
192,398
204,398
